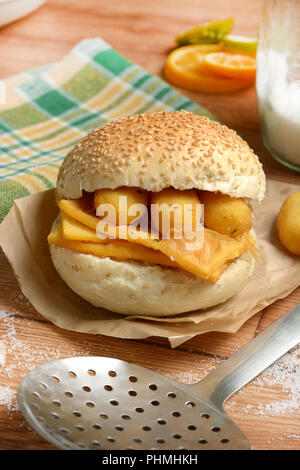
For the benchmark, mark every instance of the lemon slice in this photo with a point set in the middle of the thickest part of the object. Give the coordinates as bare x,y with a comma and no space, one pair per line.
185,67
244,44
208,33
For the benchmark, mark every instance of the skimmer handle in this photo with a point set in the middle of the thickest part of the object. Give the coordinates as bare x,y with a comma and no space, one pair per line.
251,359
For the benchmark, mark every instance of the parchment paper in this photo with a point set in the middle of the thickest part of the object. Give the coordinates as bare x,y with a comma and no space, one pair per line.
23,237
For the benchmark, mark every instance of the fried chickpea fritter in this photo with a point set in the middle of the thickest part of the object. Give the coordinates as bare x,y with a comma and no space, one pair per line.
112,197
288,223
224,214
180,207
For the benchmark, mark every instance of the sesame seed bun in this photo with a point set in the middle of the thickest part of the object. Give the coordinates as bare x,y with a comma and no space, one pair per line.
137,288
155,151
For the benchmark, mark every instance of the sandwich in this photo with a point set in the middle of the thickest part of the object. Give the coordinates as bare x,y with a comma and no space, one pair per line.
111,242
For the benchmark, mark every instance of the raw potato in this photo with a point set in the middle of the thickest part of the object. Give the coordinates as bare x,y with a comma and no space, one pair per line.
224,214
111,196
288,223
182,218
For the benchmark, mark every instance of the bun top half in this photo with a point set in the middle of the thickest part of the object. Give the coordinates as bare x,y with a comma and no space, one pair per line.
154,151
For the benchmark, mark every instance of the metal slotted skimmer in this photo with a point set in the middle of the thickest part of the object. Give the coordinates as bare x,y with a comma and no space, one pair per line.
104,403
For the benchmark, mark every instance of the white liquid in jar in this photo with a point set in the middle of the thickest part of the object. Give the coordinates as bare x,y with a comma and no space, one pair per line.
278,90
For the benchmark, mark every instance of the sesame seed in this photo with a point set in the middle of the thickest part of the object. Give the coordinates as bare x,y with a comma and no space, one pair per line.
169,145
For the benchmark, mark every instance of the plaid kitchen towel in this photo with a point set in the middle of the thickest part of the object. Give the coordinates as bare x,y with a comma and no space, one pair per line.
47,110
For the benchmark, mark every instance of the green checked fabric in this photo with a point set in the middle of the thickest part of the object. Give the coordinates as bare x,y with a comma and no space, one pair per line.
49,109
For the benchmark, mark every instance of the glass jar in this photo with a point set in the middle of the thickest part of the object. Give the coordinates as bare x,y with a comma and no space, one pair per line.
278,80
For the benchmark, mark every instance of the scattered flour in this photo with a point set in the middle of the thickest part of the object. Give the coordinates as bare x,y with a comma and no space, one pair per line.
202,364
283,375
16,356
7,396
4,314
2,354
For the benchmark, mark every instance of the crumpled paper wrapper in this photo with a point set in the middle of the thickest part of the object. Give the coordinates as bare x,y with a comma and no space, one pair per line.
23,237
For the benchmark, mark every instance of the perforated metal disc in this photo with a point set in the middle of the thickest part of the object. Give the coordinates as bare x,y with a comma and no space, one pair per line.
104,403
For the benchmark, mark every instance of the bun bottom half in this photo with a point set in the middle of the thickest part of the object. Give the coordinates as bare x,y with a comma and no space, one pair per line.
136,288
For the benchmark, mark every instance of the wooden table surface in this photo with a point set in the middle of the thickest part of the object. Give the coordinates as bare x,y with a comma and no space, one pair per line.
142,31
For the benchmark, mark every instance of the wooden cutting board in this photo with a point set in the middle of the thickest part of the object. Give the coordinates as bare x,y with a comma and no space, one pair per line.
267,409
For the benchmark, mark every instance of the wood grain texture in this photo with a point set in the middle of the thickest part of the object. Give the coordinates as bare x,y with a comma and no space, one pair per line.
142,32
